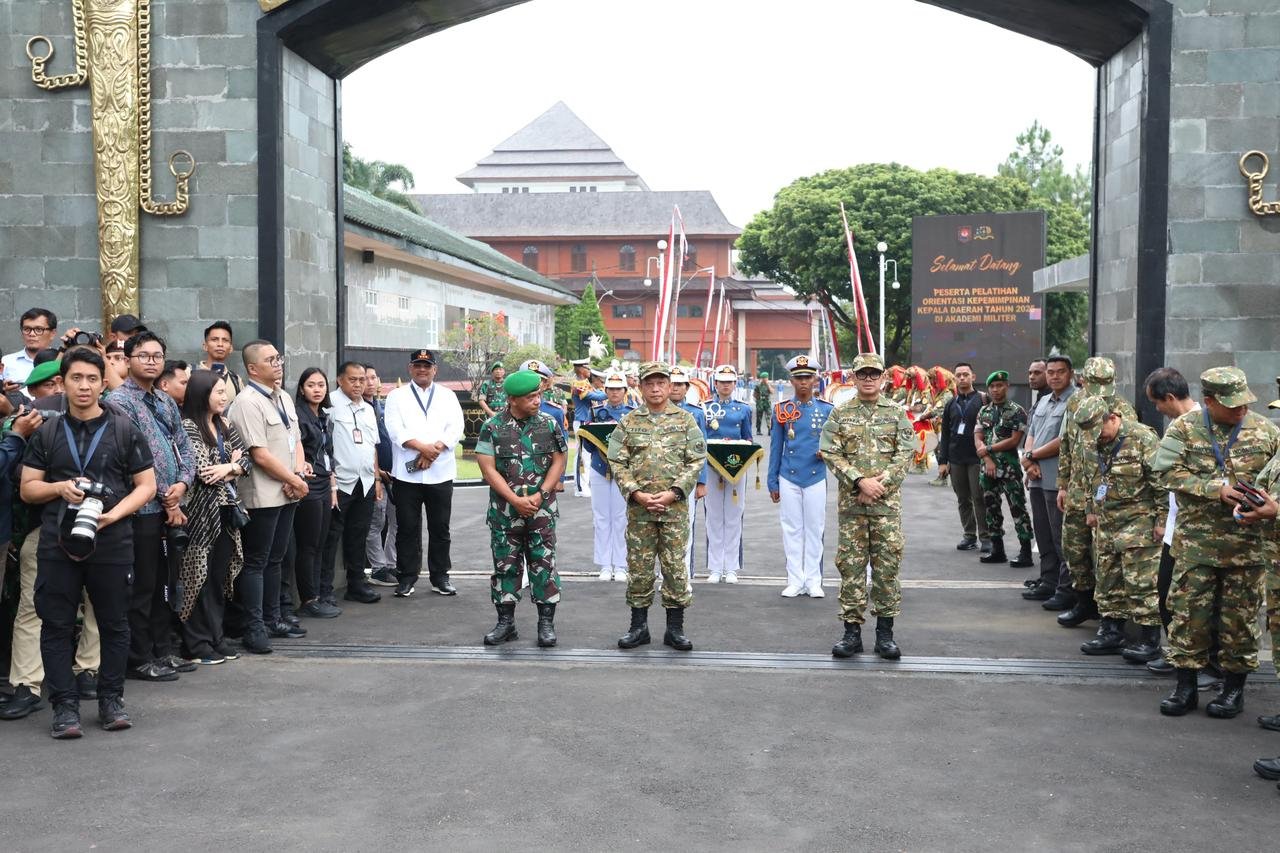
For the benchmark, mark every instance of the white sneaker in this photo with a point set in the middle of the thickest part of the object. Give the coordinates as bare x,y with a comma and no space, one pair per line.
605,574
714,577
732,577
620,575
791,591
815,591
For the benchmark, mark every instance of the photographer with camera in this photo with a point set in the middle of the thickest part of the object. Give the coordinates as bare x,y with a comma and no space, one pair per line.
159,526
91,468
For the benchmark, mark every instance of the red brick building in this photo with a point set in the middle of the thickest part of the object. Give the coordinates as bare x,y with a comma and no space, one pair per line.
556,198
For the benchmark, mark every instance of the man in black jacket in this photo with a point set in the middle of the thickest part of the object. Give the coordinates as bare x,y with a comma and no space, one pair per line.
958,457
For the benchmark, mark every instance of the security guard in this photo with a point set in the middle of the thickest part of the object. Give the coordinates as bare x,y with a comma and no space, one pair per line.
727,418
798,477
679,396
608,506
998,434
867,443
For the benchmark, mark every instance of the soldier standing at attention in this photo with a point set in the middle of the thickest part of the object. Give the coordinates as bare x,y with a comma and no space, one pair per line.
1001,426
1202,457
1126,507
867,443
763,396
727,418
656,453
798,478
490,395
679,396
522,453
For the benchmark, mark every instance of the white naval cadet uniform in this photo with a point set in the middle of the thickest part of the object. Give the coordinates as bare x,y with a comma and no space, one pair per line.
608,505
726,502
799,476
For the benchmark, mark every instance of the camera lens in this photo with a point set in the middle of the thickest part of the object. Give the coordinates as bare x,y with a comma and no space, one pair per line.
85,525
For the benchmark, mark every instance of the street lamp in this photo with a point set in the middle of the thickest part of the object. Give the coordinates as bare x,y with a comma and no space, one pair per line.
883,247
662,247
608,292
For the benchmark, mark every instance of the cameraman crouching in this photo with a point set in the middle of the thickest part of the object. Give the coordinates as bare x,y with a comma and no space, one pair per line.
88,460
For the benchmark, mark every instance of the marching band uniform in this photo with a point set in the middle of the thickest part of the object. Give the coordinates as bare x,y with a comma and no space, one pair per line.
726,502
608,505
583,396
799,476
678,374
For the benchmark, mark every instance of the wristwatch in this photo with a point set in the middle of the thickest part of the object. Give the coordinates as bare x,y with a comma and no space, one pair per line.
1027,455
546,495
679,492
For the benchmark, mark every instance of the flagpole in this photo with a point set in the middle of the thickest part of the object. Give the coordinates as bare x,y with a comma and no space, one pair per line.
706,319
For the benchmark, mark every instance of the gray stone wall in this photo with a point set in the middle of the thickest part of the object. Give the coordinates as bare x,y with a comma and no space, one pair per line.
1123,82
310,199
1224,262
195,268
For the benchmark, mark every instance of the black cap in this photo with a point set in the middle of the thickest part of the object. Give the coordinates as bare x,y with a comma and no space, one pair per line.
46,355
126,323
422,355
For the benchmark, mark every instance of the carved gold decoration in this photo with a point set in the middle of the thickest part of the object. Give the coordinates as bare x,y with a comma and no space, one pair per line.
268,5
1256,204
113,54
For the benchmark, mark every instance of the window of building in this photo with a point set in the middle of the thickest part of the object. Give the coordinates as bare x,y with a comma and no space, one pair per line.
691,257
531,257
573,189
371,298
578,257
688,310
627,258
524,189
627,312
593,189
404,303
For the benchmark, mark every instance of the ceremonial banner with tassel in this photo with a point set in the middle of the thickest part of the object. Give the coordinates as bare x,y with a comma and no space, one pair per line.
730,458
597,435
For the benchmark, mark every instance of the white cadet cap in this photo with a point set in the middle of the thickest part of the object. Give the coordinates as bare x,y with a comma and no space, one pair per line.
615,380
725,373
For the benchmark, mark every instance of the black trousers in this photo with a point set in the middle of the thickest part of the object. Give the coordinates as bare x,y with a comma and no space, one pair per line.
1046,521
60,585
203,629
348,528
150,617
310,532
1164,580
410,500
264,541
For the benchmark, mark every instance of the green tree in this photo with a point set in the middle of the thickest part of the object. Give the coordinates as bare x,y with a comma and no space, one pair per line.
572,321
475,343
376,178
1037,162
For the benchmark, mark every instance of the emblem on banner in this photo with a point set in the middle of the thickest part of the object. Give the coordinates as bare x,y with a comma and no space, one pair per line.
964,233
984,232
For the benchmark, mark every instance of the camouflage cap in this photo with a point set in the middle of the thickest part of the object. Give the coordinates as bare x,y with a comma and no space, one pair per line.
868,361
1099,376
1228,385
654,368
1091,413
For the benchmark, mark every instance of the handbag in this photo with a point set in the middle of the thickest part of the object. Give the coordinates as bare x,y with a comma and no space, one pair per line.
235,513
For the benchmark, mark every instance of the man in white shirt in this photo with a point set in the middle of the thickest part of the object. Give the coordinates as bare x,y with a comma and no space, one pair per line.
424,421
39,329
355,465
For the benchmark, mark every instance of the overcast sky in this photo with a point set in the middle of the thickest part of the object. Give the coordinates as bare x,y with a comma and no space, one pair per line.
739,97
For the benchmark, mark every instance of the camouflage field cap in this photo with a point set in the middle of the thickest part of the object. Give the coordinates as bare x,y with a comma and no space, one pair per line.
1090,415
1228,385
868,361
678,374
1099,376
521,382
654,368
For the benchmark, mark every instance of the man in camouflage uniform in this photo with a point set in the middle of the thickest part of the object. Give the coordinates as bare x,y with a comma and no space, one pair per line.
867,444
1201,458
522,454
1126,507
490,395
762,394
1073,495
656,453
1001,426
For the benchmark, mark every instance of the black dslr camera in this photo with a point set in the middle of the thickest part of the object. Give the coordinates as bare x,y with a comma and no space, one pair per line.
88,511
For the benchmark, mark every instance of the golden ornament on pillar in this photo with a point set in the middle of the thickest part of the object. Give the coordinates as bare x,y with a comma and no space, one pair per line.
113,55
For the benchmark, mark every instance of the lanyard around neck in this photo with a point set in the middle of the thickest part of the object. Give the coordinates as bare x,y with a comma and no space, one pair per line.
430,396
75,448
279,406
1221,454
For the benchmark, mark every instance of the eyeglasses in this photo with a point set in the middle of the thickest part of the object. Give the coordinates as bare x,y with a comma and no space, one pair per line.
35,330
149,357
863,376
274,360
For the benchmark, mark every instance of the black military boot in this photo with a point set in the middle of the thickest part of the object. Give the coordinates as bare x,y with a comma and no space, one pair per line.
1146,647
851,643
1023,560
1108,641
1230,701
675,637
546,625
1084,610
885,646
997,554
1185,696
638,635
506,627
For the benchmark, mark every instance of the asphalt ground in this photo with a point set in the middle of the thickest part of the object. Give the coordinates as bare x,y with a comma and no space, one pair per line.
392,728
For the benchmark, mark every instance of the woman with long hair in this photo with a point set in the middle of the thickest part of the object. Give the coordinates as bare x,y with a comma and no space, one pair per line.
311,519
214,556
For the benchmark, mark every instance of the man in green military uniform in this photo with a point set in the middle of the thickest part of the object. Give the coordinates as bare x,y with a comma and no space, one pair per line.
867,443
522,454
1073,495
1126,508
490,395
1201,459
1001,426
763,396
656,453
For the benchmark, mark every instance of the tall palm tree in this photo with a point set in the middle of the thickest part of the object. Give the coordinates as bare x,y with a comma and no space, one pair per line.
376,177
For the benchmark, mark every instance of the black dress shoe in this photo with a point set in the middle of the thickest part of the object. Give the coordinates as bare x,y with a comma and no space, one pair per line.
256,642
1160,666
968,543
1272,723
1267,768
22,703
444,587
1082,611
152,671
283,630
87,685
1060,601
1039,592
362,593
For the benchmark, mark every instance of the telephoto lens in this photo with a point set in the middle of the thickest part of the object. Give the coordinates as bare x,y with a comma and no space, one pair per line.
89,510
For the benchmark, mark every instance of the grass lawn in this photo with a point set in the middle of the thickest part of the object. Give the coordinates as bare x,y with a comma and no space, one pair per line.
469,470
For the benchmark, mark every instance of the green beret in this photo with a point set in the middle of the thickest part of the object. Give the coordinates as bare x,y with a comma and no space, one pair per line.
521,382
998,376
43,372
496,365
